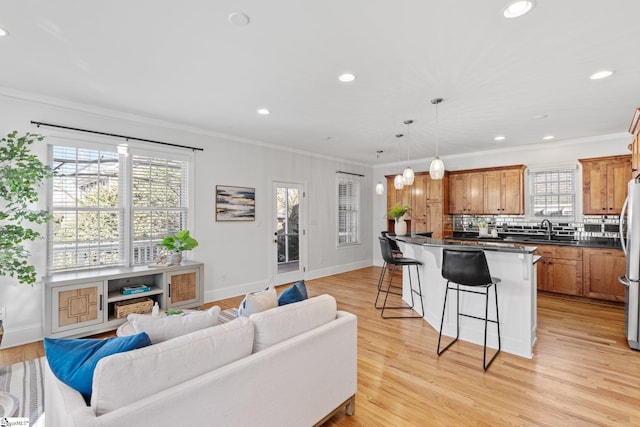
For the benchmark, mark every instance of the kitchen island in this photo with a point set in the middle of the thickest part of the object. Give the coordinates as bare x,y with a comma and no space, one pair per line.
517,302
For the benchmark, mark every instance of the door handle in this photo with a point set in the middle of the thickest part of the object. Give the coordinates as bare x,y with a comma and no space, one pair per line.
621,226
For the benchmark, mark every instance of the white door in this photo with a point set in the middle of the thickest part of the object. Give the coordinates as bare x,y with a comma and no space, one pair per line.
288,232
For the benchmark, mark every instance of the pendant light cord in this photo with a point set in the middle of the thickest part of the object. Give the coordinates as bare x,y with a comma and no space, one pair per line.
437,130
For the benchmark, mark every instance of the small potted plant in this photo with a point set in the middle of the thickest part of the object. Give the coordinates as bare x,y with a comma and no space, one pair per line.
398,212
177,243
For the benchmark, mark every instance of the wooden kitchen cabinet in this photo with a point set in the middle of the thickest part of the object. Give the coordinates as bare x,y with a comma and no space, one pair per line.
487,191
466,193
604,184
429,201
602,267
560,269
504,191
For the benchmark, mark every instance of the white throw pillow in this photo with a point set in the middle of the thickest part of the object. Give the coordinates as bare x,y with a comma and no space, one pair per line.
287,321
258,301
162,328
133,375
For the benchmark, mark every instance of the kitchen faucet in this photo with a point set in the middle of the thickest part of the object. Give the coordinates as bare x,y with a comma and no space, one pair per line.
546,224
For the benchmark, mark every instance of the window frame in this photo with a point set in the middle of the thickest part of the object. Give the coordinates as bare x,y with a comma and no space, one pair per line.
354,235
126,189
532,171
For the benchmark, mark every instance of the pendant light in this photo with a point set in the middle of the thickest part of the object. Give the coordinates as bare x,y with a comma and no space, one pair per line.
408,176
436,169
379,185
398,181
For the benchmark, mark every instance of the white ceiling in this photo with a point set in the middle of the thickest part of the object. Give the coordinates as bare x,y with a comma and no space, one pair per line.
184,63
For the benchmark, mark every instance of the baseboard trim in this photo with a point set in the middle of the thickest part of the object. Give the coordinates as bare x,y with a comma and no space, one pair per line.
23,335
244,288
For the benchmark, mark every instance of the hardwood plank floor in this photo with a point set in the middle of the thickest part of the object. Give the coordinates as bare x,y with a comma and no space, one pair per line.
583,372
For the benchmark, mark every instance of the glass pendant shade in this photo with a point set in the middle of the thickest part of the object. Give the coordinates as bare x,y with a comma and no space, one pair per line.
408,176
379,188
436,169
398,182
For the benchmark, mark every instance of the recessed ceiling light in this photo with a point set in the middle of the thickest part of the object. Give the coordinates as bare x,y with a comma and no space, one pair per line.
500,138
548,137
238,19
517,8
263,111
3,32
347,77
601,74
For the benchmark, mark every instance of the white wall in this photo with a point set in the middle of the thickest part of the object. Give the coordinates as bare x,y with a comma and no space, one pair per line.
543,154
235,254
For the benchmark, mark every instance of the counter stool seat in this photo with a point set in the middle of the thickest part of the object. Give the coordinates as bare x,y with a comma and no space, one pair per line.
469,272
390,262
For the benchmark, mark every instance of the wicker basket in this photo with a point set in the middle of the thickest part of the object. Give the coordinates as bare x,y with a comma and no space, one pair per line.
137,305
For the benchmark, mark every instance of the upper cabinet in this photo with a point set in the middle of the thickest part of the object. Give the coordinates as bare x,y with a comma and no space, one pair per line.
466,195
487,191
634,130
604,184
503,191
429,201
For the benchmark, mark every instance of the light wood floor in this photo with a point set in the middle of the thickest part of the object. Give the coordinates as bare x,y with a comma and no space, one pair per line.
583,372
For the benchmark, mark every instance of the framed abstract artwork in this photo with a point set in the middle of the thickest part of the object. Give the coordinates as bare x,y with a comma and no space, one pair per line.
235,203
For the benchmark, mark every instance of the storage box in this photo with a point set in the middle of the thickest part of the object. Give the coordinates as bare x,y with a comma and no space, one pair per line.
137,305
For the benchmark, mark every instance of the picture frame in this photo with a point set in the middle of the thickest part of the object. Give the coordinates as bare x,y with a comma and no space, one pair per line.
235,203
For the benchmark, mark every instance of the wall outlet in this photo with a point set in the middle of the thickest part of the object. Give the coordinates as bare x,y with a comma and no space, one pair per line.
3,313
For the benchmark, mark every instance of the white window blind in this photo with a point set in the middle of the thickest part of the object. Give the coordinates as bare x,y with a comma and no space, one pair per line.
159,203
110,209
87,226
553,193
348,210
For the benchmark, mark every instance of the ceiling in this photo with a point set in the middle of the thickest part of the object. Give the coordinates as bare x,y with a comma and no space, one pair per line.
186,64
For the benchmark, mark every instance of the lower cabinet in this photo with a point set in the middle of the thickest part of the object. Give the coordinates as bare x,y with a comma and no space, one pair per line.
183,289
75,306
602,267
84,303
560,270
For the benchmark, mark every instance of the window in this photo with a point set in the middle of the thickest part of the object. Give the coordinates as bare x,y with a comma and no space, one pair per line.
553,193
110,209
348,210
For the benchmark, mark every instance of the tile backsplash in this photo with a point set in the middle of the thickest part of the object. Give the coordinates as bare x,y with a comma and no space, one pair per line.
592,226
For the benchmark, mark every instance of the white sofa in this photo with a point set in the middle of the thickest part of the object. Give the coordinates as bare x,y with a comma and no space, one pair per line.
294,365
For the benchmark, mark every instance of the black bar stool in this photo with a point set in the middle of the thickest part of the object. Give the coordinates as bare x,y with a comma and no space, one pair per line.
392,262
395,252
469,268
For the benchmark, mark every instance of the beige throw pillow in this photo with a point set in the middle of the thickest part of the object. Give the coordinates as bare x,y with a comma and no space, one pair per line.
162,328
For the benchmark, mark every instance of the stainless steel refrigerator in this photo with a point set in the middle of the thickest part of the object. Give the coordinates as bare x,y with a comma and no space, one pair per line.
630,240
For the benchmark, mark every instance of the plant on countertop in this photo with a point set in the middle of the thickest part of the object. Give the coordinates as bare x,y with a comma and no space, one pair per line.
179,242
21,173
397,211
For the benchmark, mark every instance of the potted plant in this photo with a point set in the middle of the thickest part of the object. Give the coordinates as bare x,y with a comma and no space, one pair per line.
21,173
397,212
177,243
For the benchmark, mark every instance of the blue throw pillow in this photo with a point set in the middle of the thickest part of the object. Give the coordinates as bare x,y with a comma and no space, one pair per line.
73,360
295,293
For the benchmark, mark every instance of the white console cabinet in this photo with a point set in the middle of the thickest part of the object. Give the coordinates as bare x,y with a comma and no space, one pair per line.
82,303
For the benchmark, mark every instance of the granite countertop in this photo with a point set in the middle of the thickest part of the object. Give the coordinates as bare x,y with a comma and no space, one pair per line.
486,245
528,239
